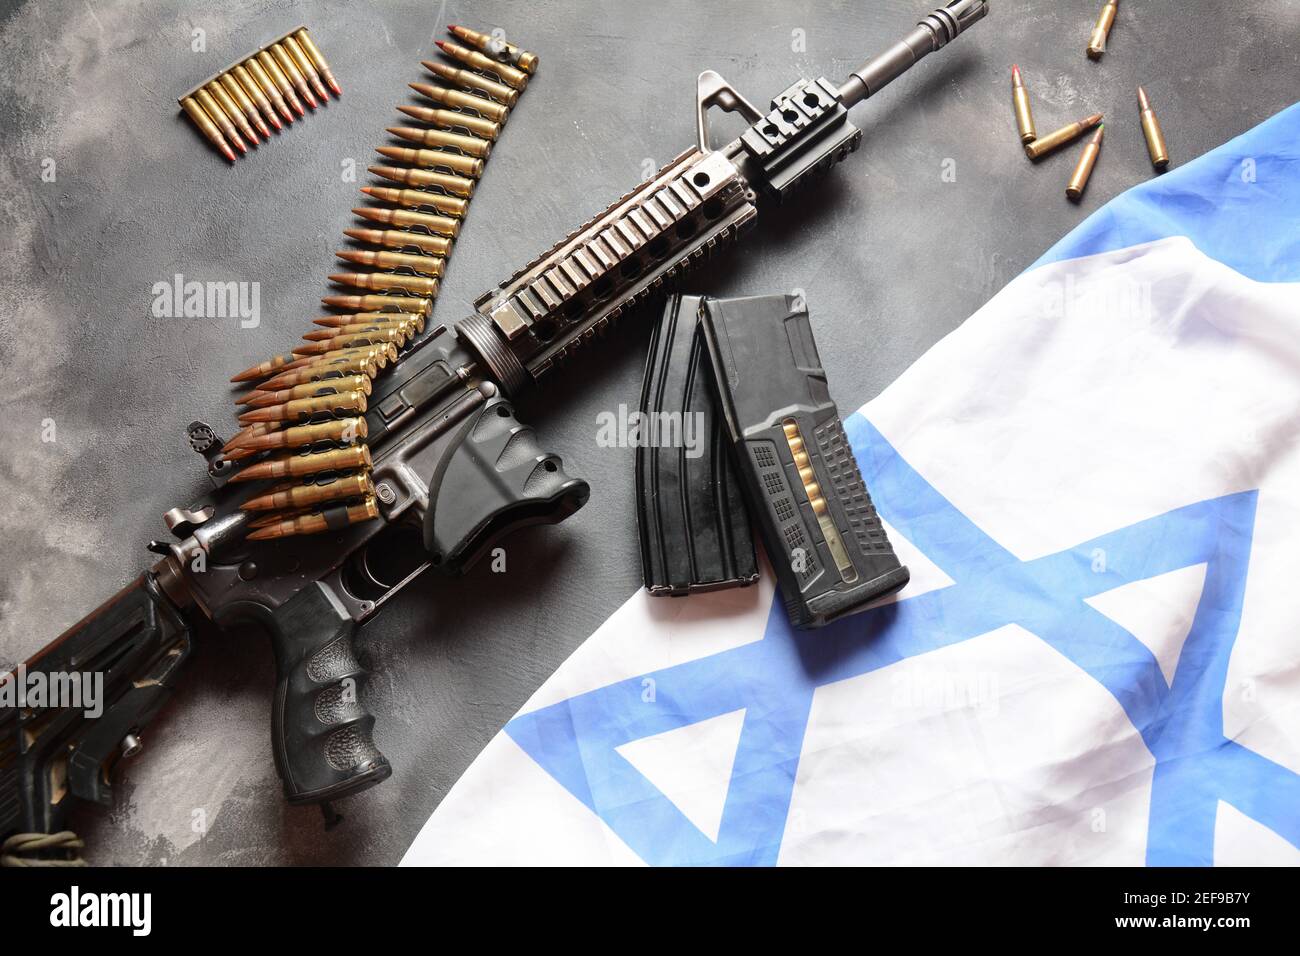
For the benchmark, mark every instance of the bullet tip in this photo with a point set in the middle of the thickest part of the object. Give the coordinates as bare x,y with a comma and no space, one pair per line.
442,44
338,90
229,153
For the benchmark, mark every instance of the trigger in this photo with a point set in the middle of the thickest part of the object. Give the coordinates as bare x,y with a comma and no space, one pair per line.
497,480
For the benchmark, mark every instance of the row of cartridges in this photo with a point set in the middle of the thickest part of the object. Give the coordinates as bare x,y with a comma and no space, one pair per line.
304,420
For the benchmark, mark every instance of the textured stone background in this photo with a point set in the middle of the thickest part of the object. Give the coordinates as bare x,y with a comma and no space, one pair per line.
890,256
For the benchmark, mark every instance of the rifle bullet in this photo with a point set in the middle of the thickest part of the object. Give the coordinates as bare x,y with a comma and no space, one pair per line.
409,324
498,49
261,398
438,225
418,198
326,371
232,111
305,67
298,496
434,159
400,239
1097,42
262,369
1083,171
247,432
379,303
450,119
316,523
344,430
272,69
1155,136
1055,140
420,265
210,106
318,59
387,282
312,463
419,178
459,99
352,340
470,145
209,129
268,86
472,81
271,518
294,75
511,77
303,409
258,96
338,321
1020,100
236,93
325,335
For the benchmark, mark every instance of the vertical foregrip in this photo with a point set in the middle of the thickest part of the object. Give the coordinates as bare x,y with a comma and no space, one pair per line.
321,732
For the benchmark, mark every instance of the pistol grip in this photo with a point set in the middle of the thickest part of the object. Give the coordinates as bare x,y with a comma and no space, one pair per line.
321,732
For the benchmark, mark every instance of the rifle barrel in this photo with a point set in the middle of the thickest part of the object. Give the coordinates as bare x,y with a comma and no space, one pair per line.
933,33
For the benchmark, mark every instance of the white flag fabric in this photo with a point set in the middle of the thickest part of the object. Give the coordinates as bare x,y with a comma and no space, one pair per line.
1096,484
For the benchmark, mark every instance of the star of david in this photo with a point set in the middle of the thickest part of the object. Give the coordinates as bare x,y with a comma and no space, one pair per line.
773,679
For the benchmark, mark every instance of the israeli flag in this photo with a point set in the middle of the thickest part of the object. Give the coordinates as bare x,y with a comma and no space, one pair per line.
1096,484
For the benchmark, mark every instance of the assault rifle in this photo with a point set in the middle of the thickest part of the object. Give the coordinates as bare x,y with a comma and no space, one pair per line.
453,469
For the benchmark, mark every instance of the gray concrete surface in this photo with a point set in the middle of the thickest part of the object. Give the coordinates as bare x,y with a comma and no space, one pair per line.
890,255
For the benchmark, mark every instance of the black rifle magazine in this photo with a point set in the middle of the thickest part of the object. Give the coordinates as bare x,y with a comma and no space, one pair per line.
694,526
819,526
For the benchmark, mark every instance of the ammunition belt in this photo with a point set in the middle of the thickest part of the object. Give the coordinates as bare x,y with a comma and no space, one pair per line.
308,409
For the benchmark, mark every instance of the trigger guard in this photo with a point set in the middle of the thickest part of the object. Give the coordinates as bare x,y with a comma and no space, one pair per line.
495,481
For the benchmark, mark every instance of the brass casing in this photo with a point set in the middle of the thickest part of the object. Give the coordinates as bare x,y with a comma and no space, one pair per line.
277,75
382,303
301,496
218,115
305,66
511,77
300,408
317,58
290,70
420,265
242,100
1024,115
1083,170
461,186
467,79
401,239
434,159
499,50
438,225
204,122
469,145
418,198
268,85
388,282
315,523
452,119
459,99
255,92
1097,42
1058,138
1155,138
